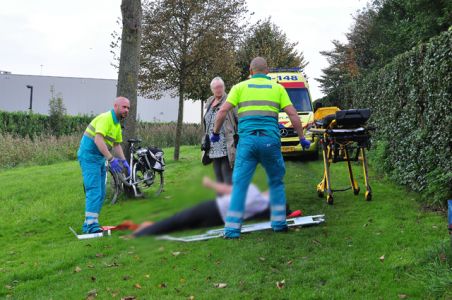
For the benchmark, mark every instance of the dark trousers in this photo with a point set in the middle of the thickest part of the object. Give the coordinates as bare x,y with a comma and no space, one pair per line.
205,214
202,215
222,169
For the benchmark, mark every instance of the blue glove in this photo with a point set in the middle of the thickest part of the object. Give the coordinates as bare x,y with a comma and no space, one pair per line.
126,165
115,166
215,137
305,144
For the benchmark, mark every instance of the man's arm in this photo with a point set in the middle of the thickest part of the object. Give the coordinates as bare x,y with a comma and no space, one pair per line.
100,143
295,119
221,116
118,151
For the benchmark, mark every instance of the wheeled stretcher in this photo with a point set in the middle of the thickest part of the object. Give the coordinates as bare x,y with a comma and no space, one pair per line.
344,137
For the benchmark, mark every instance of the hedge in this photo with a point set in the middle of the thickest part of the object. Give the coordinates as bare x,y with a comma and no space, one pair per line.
29,125
33,126
411,107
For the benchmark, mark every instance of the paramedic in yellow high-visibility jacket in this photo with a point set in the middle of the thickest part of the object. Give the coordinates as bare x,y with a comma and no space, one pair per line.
102,135
259,100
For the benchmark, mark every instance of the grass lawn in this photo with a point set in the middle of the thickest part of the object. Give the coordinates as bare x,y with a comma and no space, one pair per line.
343,258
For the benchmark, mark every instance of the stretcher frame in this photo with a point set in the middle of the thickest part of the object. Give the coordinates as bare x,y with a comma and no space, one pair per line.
216,233
337,145
90,235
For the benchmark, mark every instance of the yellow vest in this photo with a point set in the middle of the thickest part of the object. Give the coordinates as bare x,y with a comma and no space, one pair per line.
259,96
108,126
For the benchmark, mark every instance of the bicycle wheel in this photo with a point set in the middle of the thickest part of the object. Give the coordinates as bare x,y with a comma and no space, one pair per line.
114,186
148,179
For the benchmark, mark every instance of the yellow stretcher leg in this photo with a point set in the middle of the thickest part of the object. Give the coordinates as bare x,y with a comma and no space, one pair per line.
325,184
353,182
368,195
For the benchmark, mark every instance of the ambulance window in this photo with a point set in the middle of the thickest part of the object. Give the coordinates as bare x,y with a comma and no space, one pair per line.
300,99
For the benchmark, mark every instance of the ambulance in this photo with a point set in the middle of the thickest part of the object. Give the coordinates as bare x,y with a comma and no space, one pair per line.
296,85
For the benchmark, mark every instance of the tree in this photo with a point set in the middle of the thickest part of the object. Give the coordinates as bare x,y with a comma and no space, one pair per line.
129,61
342,68
180,39
57,111
266,39
381,31
213,66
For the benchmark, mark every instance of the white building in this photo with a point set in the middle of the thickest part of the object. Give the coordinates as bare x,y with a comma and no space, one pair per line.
84,96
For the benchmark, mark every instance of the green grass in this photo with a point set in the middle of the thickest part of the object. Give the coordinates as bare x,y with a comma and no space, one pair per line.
336,260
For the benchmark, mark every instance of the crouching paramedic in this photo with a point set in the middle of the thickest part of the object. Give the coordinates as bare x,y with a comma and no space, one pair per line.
259,101
102,134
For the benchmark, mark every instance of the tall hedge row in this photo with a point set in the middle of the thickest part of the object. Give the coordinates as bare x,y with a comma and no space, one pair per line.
411,102
30,125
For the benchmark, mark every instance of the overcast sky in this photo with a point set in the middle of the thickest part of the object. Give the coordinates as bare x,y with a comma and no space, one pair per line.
72,38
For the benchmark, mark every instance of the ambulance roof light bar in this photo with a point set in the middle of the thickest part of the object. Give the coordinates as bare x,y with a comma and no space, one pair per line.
295,69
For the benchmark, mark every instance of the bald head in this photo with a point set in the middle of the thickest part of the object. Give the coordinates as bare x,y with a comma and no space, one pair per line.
121,100
259,65
121,107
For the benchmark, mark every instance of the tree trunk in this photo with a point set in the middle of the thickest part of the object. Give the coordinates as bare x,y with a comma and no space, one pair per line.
129,63
202,114
180,118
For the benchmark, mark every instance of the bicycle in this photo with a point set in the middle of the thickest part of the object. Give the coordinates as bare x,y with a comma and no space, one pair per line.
146,164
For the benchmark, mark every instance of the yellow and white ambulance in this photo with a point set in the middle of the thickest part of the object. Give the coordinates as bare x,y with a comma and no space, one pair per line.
296,85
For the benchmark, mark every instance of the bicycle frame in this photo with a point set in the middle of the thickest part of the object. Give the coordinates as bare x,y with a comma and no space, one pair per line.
133,181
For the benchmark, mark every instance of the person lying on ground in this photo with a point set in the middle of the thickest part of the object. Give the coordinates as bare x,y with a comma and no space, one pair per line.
211,212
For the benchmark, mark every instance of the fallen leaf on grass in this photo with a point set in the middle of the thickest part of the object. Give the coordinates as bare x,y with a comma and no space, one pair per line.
220,285
316,242
289,262
77,269
147,276
262,258
137,286
8,287
90,266
175,253
382,258
91,294
191,298
128,298
281,284
162,285
402,296
99,255
114,264
125,277
182,280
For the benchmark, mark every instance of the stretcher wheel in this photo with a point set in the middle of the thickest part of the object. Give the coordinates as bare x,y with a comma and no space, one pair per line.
356,192
368,196
329,200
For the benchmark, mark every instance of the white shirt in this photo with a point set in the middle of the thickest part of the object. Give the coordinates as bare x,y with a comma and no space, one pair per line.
255,203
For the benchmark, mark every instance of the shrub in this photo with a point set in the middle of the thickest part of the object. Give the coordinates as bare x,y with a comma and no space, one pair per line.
411,107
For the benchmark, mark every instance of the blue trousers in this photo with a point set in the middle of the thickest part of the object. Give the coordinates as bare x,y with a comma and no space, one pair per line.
94,175
254,149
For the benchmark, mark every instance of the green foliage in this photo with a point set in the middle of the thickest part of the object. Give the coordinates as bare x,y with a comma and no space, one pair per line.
381,31
163,134
411,109
41,148
57,111
38,150
266,39
390,27
31,125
